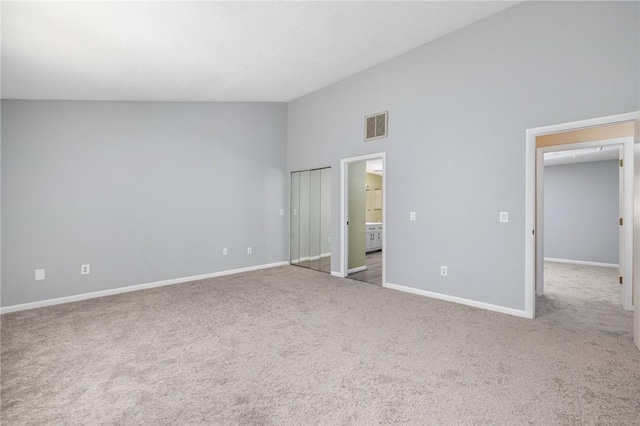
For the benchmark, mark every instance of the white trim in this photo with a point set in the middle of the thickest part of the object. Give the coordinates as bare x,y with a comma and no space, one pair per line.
110,292
358,269
581,262
343,205
460,300
530,197
337,274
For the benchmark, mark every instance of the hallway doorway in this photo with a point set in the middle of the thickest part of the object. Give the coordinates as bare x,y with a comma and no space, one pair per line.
582,211
577,135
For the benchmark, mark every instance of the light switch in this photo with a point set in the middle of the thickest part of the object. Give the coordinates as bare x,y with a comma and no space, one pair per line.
412,215
504,217
39,274
281,212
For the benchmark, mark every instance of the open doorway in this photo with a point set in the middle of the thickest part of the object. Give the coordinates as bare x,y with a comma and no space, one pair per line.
582,207
365,257
586,144
623,129
363,235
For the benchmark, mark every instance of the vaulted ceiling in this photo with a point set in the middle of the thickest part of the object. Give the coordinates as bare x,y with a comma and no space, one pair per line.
210,51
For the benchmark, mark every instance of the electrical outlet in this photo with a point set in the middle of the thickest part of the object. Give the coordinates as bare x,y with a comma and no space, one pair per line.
281,212
39,274
412,215
85,269
249,250
225,251
443,271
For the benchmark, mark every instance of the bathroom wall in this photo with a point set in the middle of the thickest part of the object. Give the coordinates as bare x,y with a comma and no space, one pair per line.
374,182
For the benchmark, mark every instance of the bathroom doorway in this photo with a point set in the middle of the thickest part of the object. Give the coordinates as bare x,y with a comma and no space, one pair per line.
363,210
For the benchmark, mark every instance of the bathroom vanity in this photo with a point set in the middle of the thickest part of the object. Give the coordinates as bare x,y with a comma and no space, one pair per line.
373,236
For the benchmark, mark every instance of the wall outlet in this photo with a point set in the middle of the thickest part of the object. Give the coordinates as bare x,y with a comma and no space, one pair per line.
281,212
412,215
504,217
443,271
249,250
225,251
85,269
39,274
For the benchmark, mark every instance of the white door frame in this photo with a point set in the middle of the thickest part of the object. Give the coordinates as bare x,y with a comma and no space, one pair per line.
531,231
626,262
344,204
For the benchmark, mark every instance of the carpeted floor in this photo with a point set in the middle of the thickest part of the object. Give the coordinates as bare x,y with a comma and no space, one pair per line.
290,346
581,297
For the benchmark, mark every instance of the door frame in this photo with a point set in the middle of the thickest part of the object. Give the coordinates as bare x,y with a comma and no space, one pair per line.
344,205
532,235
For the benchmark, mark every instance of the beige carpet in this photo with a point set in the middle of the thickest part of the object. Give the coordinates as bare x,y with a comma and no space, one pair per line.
290,346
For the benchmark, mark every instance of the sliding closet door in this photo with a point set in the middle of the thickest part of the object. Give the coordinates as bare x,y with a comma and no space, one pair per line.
303,241
294,230
310,241
314,219
325,220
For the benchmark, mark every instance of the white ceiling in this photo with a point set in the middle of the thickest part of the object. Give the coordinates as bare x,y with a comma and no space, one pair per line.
583,155
210,51
374,166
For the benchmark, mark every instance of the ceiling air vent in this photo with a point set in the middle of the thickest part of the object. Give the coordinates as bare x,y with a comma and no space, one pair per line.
375,126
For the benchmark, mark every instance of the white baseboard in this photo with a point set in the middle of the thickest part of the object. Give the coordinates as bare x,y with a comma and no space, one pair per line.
337,274
581,262
358,269
468,302
102,293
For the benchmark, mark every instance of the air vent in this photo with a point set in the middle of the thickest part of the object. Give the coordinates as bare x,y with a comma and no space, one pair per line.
375,126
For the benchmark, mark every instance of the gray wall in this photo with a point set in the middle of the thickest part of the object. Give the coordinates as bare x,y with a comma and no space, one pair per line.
458,111
141,191
581,211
